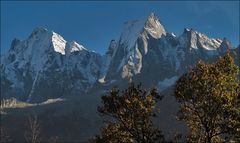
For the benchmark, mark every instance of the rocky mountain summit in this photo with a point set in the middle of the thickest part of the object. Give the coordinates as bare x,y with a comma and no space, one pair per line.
45,65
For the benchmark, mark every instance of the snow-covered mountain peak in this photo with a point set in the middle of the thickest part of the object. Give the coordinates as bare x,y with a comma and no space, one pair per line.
195,40
42,60
144,27
42,40
39,30
42,36
59,43
131,32
73,46
144,52
154,27
39,33
133,44
77,47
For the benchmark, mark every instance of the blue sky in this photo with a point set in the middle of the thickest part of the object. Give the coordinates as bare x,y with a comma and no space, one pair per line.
95,24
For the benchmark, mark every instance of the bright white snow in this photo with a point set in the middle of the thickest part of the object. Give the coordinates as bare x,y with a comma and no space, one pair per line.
58,43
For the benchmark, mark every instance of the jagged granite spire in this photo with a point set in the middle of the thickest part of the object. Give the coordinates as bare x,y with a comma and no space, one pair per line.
154,27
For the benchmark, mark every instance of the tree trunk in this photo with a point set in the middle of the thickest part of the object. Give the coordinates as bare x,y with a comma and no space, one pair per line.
209,139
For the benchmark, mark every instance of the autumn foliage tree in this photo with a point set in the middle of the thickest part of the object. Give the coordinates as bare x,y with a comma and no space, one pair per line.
128,116
209,101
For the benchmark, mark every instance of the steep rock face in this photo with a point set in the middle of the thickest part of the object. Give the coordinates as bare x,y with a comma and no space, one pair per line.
133,45
46,66
194,46
147,53
107,60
